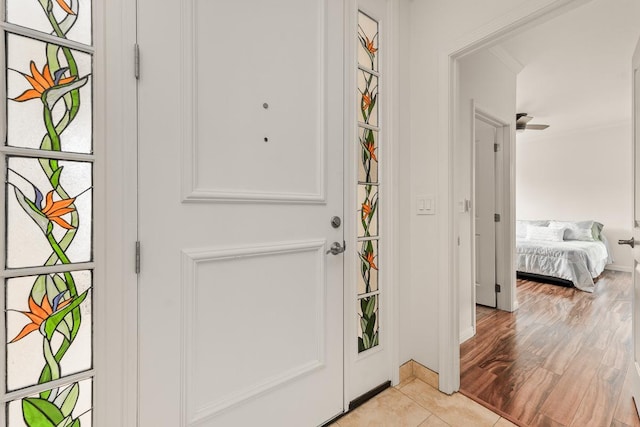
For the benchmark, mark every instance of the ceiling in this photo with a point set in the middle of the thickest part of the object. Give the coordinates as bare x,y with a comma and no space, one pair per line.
577,67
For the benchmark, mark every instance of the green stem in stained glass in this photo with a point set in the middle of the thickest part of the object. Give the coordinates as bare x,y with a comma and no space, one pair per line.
52,363
53,135
46,375
62,256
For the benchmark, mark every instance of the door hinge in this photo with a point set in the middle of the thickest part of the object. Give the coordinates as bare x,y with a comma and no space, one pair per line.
498,288
496,217
496,148
138,257
136,61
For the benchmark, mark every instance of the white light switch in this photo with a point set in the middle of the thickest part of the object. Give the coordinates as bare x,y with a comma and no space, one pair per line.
464,205
425,205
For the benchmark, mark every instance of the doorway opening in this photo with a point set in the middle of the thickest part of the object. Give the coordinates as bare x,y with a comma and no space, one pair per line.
550,188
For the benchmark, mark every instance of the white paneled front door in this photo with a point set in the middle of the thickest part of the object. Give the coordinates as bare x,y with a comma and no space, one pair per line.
635,368
240,173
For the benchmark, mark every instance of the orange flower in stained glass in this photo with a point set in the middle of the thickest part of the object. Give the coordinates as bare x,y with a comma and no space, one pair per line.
366,210
369,257
54,210
41,81
370,46
65,7
38,314
366,101
371,148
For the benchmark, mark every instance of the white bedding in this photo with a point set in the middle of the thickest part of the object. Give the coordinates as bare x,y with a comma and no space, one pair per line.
574,260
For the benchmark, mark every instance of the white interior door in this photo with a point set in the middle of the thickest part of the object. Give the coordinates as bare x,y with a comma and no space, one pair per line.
240,173
485,209
635,369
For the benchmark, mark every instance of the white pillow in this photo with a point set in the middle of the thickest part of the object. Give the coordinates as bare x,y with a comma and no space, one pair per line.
521,226
575,230
535,232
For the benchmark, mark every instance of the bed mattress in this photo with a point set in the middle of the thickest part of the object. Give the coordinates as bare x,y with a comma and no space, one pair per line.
574,260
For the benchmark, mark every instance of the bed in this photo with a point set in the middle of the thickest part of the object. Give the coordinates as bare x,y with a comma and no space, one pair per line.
574,252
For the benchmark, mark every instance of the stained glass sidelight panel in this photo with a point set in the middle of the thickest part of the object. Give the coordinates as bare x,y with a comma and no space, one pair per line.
368,99
49,210
368,277
48,220
368,165
51,312
368,336
47,86
72,18
368,203
66,406
368,186
368,42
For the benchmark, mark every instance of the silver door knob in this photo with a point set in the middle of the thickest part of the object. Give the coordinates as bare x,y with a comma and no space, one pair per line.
336,248
629,242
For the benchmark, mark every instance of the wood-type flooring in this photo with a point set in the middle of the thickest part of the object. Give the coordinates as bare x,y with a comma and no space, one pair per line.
561,359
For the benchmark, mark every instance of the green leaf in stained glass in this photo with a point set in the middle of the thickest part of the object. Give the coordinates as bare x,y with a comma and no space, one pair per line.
40,413
67,399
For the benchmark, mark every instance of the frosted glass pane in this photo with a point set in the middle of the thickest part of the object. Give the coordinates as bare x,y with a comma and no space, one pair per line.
368,98
48,96
368,327
47,227
368,277
368,42
72,17
368,164
74,402
62,303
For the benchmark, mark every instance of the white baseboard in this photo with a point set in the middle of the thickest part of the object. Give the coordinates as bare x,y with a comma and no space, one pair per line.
467,333
617,267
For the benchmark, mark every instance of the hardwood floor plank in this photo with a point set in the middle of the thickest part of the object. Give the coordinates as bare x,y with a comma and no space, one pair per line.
626,413
561,356
527,400
616,423
541,420
565,398
600,400
510,380
561,359
476,380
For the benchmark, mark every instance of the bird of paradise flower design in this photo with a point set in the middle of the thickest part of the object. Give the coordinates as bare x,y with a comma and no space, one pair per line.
368,182
53,306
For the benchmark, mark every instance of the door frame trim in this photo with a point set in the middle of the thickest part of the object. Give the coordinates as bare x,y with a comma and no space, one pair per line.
120,134
505,182
389,207
506,25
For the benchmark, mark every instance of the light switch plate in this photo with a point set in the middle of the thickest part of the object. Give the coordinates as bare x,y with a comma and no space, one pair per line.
425,205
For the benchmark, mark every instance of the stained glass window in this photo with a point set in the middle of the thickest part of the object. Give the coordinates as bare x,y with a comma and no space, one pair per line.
368,184
48,163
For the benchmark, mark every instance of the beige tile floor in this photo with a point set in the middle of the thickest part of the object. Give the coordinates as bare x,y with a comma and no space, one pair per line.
414,403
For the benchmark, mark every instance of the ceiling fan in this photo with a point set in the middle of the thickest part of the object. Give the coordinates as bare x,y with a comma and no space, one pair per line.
522,123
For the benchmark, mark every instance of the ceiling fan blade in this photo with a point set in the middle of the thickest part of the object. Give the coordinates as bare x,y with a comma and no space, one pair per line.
522,118
537,127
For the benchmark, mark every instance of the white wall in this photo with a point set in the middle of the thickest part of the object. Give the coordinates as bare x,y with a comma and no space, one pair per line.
435,28
580,175
485,79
